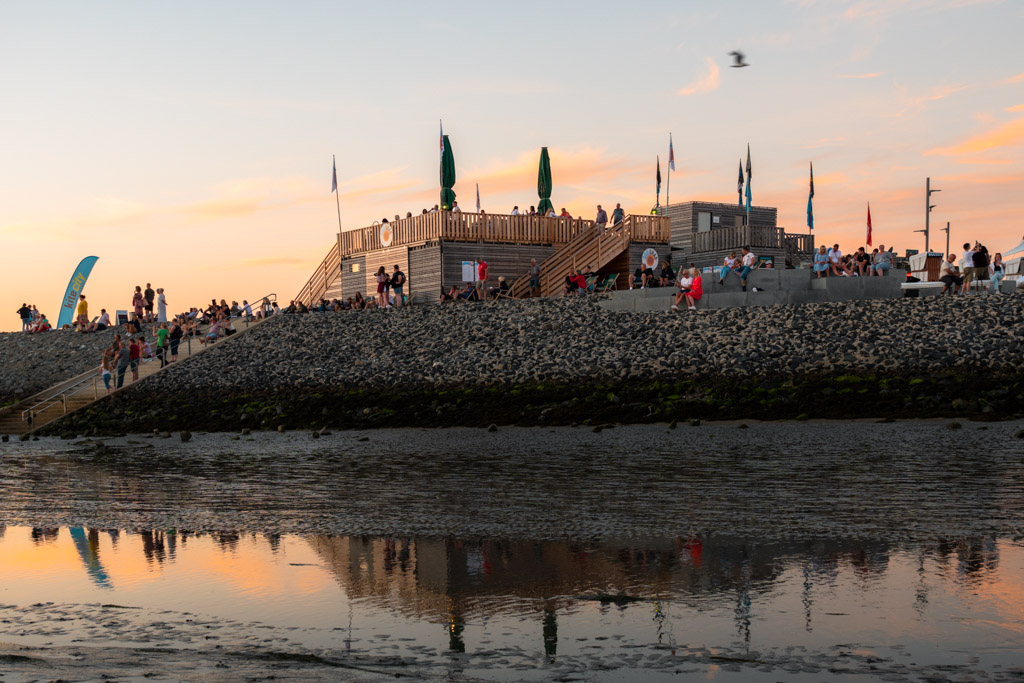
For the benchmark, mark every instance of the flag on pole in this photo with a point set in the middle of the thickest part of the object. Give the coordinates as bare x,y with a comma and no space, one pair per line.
810,196
478,197
739,183
442,137
869,224
749,176
334,175
671,154
657,182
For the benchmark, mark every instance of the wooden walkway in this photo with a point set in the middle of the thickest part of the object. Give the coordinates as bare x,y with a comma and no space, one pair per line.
82,390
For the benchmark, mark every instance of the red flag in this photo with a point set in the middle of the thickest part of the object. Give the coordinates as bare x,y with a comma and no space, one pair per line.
869,224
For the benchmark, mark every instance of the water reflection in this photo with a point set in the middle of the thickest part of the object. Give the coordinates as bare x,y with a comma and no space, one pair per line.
456,586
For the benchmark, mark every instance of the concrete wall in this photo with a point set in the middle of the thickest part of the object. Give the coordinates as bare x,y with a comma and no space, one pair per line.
775,288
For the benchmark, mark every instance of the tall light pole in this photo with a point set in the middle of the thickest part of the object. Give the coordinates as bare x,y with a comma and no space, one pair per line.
928,206
946,230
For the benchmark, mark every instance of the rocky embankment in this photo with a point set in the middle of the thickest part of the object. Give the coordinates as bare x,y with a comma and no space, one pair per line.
568,360
33,362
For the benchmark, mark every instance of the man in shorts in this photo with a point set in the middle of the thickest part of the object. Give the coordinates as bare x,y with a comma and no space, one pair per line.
967,268
398,285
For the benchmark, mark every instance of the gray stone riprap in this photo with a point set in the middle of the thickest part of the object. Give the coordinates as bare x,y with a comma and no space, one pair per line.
33,362
568,340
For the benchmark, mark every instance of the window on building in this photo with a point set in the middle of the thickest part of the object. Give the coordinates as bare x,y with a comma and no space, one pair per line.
355,267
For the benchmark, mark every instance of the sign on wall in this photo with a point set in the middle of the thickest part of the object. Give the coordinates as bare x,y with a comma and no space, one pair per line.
386,235
649,258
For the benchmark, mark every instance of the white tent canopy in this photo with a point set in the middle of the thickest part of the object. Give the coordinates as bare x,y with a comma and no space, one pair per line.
1019,247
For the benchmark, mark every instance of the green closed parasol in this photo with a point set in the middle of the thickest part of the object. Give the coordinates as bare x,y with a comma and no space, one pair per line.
544,183
447,176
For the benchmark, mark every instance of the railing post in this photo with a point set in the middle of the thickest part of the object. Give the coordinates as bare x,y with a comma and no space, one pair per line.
64,401
95,390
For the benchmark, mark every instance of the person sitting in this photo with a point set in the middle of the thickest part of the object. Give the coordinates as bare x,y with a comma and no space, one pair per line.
684,284
501,289
572,283
834,259
102,323
949,275
449,295
468,293
747,263
667,274
729,264
565,214
820,262
302,308
696,290
862,262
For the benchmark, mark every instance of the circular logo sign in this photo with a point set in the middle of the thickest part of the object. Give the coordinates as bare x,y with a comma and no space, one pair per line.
386,235
650,258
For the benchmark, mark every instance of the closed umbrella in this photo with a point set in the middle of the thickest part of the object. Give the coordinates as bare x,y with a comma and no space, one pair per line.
544,183
447,176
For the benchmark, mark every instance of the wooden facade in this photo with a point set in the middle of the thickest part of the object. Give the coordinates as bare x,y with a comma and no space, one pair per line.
708,231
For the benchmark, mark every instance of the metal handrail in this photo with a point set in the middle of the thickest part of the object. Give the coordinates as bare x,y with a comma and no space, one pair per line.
88,377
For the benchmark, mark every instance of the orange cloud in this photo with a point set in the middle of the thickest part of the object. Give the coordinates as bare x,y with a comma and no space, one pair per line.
704,84
1013,79
1019,107
1007,135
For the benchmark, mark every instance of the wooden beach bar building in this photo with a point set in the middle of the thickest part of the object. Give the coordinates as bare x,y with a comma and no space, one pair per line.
432,248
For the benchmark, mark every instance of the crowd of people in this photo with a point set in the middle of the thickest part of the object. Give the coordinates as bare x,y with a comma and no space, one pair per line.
833,263
32,320
975,265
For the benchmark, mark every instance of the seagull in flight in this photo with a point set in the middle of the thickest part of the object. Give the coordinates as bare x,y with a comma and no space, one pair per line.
738,56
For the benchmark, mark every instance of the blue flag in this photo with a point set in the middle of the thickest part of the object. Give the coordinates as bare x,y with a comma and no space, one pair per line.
810,197
749,176
75,287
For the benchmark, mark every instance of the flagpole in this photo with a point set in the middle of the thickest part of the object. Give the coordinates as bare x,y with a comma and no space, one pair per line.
668,178
337,192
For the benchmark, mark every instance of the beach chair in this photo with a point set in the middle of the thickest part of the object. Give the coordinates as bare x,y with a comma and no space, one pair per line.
607,284
591,283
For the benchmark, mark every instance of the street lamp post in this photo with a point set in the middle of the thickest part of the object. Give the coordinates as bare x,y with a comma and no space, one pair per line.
928,206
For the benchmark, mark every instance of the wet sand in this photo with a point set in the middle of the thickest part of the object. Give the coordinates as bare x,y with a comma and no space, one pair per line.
896,481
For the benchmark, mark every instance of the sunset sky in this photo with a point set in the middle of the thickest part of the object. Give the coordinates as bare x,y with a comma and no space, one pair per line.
189,144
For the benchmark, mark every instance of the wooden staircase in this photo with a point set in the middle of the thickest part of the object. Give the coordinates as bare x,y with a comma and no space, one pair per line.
590,247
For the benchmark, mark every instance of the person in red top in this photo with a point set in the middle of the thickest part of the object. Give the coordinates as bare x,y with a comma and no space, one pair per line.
696,291
481,270
134,355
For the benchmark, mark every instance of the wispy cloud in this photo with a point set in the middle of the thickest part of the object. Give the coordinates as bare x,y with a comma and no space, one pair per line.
1009,134
916,104
876,74
1019,78
708,83
1015,108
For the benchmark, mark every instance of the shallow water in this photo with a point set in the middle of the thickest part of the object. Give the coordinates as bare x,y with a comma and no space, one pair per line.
730,608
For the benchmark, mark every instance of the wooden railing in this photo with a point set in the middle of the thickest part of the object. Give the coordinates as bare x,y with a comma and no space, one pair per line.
718,239
800,243
488,227
589,248
322,278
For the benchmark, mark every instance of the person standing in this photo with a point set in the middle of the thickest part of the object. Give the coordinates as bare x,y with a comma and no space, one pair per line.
138,302
82,318
980,262
174,336
123,361
602,219
26,317
481,269
534,278
105,368
162,334
134,358
382,296
149,295
618,215
161,306
398,285
967,267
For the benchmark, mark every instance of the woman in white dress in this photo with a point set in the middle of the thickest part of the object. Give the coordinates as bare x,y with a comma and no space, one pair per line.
161,306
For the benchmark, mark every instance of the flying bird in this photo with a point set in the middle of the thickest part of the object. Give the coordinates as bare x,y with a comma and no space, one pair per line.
738,57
